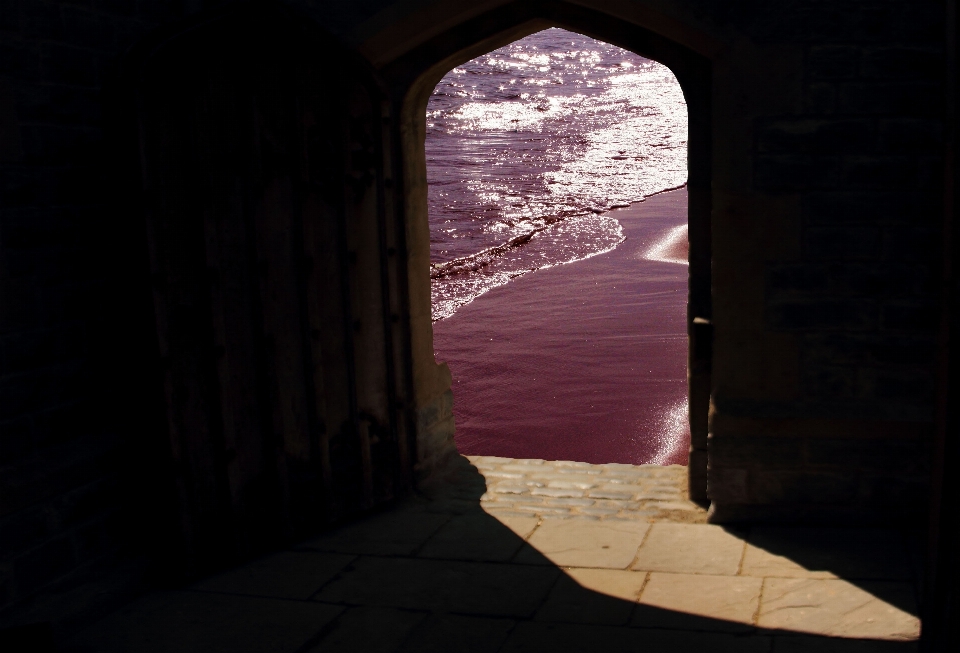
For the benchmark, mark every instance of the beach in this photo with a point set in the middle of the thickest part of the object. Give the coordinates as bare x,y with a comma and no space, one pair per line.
527,149
584,361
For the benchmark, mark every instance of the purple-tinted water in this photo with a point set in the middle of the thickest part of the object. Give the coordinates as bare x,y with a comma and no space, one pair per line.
528,144
527,147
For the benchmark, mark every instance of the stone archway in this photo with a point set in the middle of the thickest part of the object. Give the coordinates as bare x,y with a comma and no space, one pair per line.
290,266
413,76
769,449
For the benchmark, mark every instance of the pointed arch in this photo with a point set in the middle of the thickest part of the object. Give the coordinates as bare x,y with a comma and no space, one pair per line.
412,77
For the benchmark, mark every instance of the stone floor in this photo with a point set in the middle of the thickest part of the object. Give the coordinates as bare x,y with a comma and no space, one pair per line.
543,556
561,488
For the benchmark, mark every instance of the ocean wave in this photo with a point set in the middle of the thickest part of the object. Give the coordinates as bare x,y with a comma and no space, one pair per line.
460,281
527,145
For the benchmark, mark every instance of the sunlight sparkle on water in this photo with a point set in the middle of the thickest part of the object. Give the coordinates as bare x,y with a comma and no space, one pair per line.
672,435
526,143
670,248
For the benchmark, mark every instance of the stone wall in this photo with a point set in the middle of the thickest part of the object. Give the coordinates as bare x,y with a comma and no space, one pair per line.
826,259
68,444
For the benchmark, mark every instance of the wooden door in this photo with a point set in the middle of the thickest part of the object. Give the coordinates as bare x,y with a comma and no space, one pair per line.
275,271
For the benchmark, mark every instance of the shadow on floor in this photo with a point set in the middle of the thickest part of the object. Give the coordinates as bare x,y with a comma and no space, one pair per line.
439,574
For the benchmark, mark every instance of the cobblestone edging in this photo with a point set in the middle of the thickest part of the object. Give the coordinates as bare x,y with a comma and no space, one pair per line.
560,488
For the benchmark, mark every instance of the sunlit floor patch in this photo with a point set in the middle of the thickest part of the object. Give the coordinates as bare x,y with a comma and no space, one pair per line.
445,561
563,488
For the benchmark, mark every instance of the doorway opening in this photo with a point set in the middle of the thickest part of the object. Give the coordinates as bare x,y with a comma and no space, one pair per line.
539,155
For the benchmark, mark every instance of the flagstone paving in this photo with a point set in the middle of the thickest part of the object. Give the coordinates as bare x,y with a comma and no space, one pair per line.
561,488
555,556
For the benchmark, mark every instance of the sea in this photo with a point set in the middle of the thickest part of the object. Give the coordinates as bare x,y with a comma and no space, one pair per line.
547,162
529,145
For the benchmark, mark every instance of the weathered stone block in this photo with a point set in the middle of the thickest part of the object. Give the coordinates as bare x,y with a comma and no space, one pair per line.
810,552
727,484
16,439
795,172
609,597
772,487
904,386
831,382
393,533
909,316
866,349
480,588
88,29
43,565
690,549
841,243
69,65
810,136
863,279
796,279
479,536
556,492
758,452
881,207
823,314
919,22
929,178
572,638
446,404
179,621
867,454
41,20
819,97
484,634
907,98
697,479
610,494
434,411
833,61
732,600
780,486
295,575
34,229
878,172
605,544
34,349
58,105
839,608
21,187
19,59
46,144
842,22
910,136
910,63
102,537
370,629
572,481
25,530
898,494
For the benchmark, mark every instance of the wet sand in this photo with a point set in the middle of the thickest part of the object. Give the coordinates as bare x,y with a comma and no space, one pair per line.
585,361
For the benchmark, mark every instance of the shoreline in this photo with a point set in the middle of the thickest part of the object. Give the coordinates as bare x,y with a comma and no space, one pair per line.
440,270
583,361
